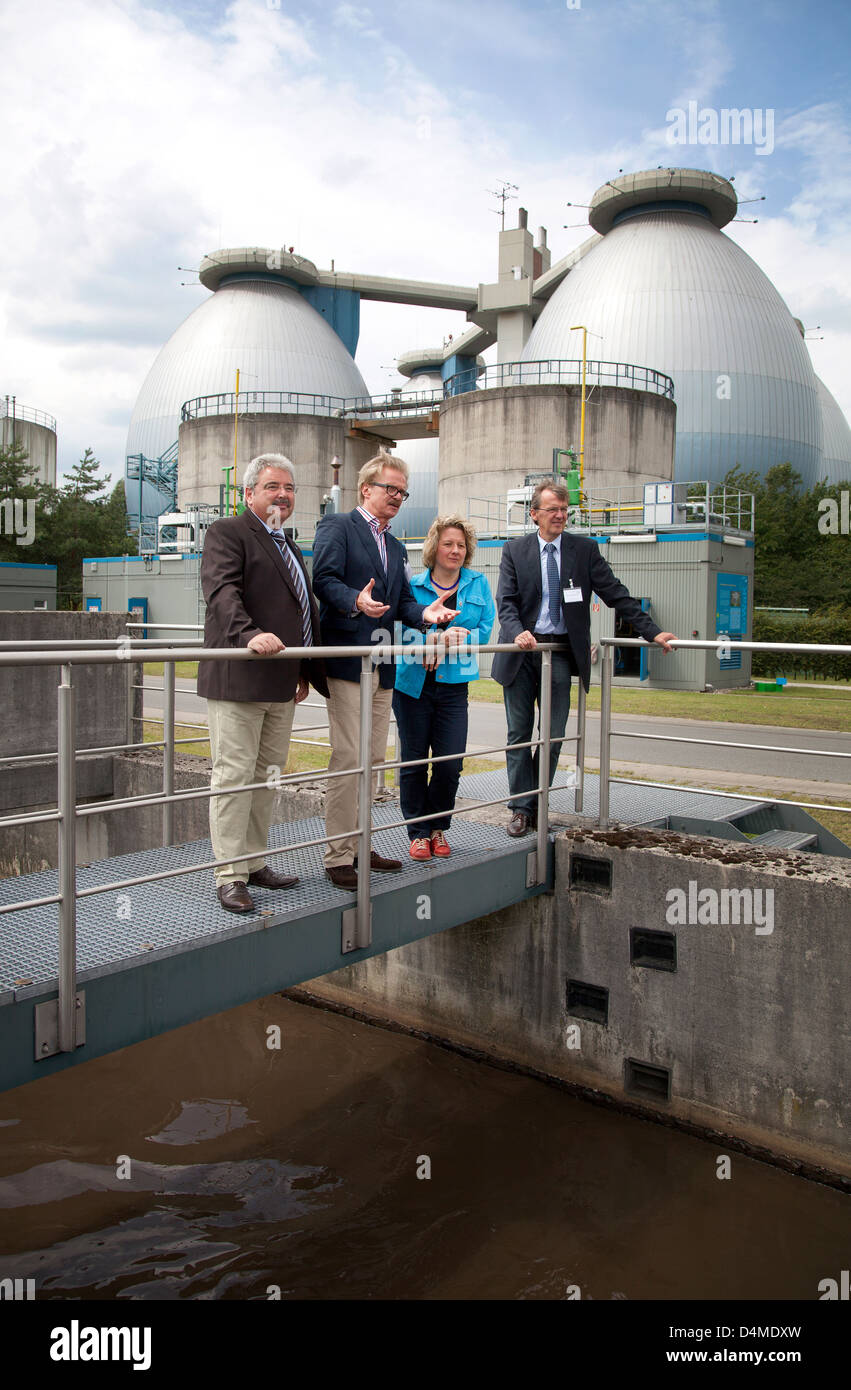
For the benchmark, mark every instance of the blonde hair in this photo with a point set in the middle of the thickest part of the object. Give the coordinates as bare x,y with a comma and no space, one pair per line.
372,469
436,530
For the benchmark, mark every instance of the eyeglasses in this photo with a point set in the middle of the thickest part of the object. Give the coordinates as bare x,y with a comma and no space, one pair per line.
393,491
553,511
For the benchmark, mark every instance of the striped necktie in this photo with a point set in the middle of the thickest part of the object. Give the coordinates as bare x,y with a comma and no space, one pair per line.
552,584
300,585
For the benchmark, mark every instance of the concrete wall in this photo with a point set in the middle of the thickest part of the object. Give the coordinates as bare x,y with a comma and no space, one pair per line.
39,442
30,848
490,439
205,448
28,693
751,1028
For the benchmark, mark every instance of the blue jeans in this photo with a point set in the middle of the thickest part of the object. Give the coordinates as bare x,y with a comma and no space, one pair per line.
434,723
520,699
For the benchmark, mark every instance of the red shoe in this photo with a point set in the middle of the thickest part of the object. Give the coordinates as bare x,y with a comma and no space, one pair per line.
420,849
439,845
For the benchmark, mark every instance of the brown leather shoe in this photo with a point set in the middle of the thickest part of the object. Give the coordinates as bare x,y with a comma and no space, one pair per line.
520,824
267,878
382,866
342,875
235,897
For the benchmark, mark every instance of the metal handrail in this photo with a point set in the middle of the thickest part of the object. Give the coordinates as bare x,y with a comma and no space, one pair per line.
560,372
14,411
721,645
67,812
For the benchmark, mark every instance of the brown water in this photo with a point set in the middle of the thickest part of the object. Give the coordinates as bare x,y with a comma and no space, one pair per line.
297,1168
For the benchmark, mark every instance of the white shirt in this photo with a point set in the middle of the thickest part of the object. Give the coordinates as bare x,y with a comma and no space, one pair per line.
544,623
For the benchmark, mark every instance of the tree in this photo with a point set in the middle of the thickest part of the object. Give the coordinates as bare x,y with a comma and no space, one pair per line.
85,523
25,508
795,564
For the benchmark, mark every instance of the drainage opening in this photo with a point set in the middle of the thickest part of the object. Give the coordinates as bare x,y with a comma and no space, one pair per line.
657,950
591,875
588,1001
644,1079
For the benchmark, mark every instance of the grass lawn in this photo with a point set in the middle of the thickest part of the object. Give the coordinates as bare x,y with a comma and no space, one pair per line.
800,709
187,670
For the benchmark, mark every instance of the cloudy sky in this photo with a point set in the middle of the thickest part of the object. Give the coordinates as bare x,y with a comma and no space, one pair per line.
138,136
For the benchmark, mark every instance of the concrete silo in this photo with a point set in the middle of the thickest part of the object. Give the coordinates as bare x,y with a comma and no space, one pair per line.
35,430
664,286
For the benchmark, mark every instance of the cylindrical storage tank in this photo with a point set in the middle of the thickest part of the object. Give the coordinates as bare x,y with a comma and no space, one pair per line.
490,439
36,431
836,439
667,288
257,322
310,442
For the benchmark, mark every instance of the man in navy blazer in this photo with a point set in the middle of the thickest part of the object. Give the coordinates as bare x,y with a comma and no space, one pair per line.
360,580
544,595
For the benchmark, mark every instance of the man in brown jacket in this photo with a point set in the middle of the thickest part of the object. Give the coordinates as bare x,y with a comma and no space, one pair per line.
258,596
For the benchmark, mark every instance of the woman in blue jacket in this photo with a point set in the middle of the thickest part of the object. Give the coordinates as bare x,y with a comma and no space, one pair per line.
430,698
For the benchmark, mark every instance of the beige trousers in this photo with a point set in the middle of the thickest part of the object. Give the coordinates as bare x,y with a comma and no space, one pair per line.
248,741
341,800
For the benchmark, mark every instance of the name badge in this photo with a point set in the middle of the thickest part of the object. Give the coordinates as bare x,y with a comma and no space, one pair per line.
572,595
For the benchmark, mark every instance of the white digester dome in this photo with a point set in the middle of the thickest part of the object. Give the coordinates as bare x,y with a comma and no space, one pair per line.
836,446
422,457
666,289
263,327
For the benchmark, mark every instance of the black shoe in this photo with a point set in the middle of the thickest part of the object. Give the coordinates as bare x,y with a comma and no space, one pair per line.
235,897
267,878
520,824
342,875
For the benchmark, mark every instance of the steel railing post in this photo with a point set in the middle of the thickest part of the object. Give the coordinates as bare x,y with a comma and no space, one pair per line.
546,706
67,807
363,933
580,749
605,733
130,674
168,750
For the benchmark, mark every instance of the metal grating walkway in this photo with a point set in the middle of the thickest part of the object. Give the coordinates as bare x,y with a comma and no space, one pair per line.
159,919
631,805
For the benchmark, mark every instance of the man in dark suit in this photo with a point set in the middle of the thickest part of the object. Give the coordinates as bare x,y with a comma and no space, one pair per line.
544,594
258,596
360,580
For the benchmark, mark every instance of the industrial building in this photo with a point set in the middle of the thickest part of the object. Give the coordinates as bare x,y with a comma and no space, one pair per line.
27,586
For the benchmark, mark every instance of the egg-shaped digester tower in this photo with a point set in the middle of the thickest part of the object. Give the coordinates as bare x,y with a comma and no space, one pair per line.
289,358
665,286
836,439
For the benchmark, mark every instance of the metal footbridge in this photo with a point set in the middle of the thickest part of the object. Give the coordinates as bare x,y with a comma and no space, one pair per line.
99,956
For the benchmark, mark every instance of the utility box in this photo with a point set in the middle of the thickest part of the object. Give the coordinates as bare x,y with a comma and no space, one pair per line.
696,586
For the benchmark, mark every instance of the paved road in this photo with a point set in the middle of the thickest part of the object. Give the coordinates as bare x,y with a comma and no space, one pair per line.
487,729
